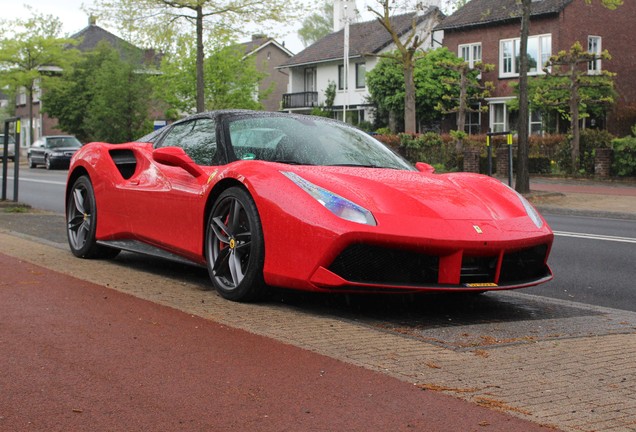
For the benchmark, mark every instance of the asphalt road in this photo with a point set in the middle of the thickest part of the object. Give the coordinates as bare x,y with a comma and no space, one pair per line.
593,262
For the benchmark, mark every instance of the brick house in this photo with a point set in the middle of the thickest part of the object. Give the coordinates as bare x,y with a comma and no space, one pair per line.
489,30
89,37
269,54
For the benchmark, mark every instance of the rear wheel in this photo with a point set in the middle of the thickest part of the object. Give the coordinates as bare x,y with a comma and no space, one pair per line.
234,247
81,222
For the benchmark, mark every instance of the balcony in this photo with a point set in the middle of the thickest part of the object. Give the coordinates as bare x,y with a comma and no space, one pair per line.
300,100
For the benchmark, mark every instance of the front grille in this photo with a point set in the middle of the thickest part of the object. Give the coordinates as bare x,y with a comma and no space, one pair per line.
478,269
379,265
524,265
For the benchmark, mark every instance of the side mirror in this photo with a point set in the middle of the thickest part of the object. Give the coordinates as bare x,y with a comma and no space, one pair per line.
425,168
177,157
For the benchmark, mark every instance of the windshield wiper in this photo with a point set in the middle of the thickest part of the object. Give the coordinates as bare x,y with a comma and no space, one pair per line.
290,162
361,165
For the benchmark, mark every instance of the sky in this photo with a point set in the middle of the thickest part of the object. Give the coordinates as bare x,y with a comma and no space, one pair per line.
74,19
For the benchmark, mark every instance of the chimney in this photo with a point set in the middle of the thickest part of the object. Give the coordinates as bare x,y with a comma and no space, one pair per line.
342,10
92,20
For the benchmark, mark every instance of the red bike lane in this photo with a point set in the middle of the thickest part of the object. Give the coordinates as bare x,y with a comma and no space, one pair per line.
76,356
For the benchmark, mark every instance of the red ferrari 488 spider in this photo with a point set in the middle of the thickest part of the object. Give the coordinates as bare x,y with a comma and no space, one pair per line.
300,202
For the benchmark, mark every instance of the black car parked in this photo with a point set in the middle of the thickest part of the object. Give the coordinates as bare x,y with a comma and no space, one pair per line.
53,151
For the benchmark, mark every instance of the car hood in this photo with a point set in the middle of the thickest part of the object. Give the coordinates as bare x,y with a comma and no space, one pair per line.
458,196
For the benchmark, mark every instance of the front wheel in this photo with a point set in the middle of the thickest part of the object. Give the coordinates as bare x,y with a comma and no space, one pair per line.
81,222
234,247
31,163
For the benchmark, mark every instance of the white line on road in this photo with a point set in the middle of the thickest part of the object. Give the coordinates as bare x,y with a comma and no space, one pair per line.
22,179
595,237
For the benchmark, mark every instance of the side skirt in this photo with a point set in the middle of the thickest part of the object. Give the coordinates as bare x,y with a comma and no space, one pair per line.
146,249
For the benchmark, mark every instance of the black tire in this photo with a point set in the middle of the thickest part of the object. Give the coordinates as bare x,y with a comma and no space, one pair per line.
234,247
81,222
31,163
47,163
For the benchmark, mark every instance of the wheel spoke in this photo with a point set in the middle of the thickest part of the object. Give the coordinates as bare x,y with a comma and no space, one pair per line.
220,230
78,198
221,259
75,222
235,268
235,213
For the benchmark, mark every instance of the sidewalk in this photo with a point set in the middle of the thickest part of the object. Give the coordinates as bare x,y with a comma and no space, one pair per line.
595,198
77,356
582,383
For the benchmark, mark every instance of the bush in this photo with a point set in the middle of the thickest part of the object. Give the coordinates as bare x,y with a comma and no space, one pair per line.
624,163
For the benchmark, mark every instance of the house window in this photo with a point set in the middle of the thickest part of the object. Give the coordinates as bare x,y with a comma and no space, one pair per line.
471,53
594,47
361,70
22,97
310,79
341,77
473,121
498,117
539,52
536,123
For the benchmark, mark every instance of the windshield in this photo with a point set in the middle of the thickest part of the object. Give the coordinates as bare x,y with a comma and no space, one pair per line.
59,142
308,141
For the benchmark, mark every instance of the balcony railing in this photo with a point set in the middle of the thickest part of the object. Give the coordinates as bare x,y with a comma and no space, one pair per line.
300,100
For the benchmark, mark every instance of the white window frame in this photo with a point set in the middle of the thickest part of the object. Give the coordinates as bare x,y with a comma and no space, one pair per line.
535,123
492,102
474,53
512,47
361,72
594,67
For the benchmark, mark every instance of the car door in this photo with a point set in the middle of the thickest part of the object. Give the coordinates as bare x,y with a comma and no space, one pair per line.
36,151
166,203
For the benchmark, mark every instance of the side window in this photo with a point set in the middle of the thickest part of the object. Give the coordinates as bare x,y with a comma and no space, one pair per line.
197,138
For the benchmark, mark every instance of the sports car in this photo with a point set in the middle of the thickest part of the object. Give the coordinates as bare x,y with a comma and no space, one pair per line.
300,202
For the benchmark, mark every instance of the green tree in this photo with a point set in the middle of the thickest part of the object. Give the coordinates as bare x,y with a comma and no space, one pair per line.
471,91
104,98
435,79
408,50
570,84
161,21
317,25
32,54
232,80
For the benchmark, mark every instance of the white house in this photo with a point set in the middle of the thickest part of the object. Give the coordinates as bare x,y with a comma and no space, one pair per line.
312,70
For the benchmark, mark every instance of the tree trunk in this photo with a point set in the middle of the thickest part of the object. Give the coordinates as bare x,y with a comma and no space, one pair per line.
461,112
410,121
200,74
574,122
29,143
522,183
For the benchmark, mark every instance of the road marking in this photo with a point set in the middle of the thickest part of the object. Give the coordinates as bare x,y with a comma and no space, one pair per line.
595,237
43,181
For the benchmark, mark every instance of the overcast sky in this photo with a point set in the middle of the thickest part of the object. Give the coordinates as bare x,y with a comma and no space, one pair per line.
74,20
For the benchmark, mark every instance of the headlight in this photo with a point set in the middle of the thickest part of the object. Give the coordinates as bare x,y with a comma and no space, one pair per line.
57,153
530,210
336,204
